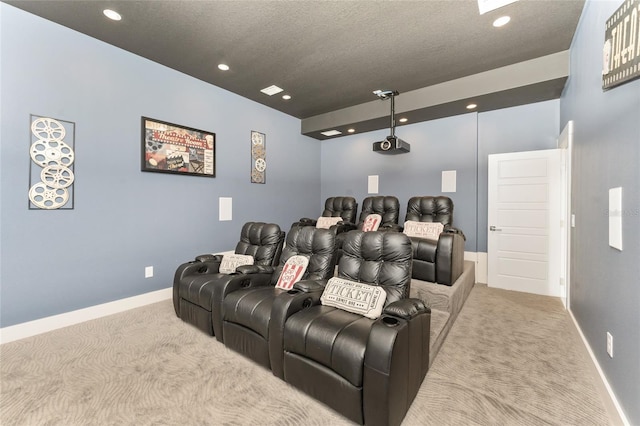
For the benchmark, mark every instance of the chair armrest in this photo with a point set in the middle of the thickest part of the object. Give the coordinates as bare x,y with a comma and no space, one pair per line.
449,257
286,304
305,221
309,286
194,267
226,284
406,308
396,361
209,257
255,269
344,226
391,227
451,230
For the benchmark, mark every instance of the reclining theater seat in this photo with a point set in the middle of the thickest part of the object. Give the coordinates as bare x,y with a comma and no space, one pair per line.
199,287
440,261
248,323
369,370
387,206
343,207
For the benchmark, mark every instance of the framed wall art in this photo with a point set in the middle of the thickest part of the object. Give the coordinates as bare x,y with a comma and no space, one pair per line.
170,148
258,157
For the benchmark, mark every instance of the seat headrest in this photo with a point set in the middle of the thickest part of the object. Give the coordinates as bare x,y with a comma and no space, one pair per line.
430,209
261,240
345,207
318,244
378,258
386,206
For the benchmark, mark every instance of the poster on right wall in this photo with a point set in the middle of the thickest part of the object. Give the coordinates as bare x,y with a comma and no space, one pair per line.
621,51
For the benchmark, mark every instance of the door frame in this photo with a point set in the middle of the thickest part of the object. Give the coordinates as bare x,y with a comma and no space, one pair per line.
565,143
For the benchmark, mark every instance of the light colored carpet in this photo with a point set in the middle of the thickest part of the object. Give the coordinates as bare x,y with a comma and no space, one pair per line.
510,359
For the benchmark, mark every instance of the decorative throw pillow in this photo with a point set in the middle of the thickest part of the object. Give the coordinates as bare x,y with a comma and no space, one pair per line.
327,222
359,298
426,230
372,222
294,268
231,261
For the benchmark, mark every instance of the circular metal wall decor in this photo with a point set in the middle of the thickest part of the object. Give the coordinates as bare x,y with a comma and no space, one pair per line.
258,157
51,149
47,129
48,198
57,176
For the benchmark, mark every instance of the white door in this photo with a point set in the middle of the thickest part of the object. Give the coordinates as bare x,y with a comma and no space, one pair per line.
524,221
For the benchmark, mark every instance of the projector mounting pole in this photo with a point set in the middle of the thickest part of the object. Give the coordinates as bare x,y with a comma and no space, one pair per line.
393,114
390,94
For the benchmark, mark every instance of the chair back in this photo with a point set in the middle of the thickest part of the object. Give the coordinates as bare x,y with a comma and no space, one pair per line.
386,206
317,244
261,240
430,209
378,258
345,207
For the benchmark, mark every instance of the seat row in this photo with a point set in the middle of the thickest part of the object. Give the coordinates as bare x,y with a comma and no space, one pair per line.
438,257
355,341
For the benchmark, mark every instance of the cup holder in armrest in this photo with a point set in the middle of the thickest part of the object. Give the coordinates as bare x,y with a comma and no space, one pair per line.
390,321
293,291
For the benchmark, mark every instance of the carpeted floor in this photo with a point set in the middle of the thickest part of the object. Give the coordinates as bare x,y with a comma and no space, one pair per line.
510,359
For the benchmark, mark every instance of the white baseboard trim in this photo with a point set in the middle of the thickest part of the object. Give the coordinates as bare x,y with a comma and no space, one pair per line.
605,382
43,325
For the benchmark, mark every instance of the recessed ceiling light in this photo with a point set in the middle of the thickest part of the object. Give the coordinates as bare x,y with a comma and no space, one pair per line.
472,106
351,130
112,14
331,132
503,20
403,120
286,97
223,67
271,90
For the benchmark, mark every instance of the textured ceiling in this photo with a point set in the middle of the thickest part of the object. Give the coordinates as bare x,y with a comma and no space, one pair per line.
328,55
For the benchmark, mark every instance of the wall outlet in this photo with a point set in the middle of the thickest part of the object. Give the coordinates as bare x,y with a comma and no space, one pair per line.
148,272
610,344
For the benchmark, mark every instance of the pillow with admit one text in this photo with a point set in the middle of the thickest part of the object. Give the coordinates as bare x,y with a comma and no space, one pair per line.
294,268
327,222
231,261
358,298
372,222
426,230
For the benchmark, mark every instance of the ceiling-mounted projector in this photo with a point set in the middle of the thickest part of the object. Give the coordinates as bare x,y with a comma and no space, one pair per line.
391,144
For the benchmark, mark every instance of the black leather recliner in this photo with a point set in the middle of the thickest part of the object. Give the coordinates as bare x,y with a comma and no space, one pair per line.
344,207
248,320
387,206
440,262
369,370
199,288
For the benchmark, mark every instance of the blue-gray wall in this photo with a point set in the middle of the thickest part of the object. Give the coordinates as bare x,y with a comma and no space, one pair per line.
605,282
58,261
460,143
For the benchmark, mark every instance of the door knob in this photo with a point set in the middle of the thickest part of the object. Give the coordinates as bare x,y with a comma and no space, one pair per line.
493,228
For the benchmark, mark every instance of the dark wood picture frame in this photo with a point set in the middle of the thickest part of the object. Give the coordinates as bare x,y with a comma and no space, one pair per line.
182,150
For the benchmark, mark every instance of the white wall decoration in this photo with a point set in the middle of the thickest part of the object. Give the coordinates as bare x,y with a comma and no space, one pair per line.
51,149
258,157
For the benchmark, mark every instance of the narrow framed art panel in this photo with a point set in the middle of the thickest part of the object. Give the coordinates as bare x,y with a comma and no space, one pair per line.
171,148
51,178
258,157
